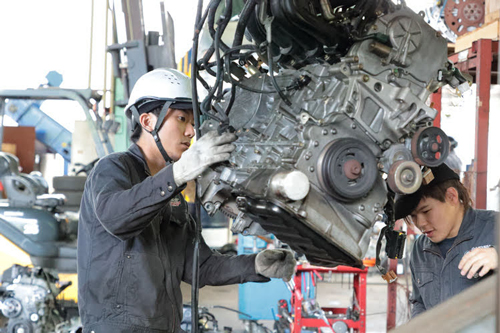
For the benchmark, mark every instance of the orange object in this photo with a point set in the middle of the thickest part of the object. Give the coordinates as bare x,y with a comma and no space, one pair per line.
369,262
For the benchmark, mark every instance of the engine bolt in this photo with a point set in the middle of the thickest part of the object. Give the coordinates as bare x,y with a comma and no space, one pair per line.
361,207
311,169
407,177
324,132
366,78
334,131
209,207
303,213
353,126
316,143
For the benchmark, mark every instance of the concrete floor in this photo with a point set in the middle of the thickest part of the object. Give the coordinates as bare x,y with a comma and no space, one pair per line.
335,291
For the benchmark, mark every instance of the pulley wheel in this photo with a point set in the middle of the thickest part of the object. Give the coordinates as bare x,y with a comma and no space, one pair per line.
430,146
347,169
12,307
405,177
20,326
464,15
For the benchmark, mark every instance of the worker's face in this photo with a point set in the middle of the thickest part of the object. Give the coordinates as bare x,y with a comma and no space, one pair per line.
177,132
439,220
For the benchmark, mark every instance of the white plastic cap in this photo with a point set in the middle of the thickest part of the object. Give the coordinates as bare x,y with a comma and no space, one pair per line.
293,185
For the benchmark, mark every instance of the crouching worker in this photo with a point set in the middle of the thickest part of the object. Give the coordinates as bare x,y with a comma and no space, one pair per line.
135,241
456,248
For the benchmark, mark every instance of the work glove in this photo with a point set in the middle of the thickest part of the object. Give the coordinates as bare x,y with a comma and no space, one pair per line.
275,264
209,149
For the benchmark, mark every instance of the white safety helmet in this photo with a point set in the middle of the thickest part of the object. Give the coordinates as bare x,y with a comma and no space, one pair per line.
163,84
162,87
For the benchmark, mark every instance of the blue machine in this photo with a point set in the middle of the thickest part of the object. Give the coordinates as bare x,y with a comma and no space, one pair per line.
48,131
259,300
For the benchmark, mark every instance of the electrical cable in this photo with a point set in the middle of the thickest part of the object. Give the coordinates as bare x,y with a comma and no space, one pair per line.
233,310
271,72
236,83
196,113
218,85
217,44
243,21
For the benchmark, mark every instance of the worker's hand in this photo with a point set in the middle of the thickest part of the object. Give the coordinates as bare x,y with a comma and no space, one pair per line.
275,264
485,259
209,149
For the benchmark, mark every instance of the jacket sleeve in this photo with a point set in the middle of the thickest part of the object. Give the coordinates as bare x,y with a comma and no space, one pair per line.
417,304
216,269
122,208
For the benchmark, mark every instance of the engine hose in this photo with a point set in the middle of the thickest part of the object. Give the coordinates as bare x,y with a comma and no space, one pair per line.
211,21
273,79
212,8
243,21
218,43
216,47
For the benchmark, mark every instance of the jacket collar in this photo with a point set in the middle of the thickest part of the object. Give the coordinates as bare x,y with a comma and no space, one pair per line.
464,233
137,153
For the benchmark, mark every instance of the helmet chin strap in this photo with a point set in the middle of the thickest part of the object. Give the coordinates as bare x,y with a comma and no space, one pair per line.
154,132
155,135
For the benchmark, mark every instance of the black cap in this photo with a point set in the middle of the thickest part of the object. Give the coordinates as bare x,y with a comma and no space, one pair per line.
405,204
453,142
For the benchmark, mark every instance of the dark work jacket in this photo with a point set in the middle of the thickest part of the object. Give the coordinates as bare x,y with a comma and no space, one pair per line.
435,279
135,246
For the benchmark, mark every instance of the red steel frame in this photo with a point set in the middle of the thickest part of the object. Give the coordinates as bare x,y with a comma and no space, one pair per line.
359,284
480,57
436,104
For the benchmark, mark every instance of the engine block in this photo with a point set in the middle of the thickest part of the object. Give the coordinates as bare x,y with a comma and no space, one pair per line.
312,168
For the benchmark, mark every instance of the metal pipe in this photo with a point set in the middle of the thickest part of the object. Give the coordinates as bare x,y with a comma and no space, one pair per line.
497,303
91,42
381,50
483,86
2,114
80,96
196,114
106,30
326,9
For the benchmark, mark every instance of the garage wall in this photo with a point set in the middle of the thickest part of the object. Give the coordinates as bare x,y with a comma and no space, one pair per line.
457,120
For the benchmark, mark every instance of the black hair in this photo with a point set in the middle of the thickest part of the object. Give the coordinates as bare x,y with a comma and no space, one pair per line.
136,133
438,192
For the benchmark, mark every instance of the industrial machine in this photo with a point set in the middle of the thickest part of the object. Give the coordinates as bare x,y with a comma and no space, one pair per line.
35,232
29,304
329,103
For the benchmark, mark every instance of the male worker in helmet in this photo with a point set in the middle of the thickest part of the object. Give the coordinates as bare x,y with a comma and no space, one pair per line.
456,248
135,237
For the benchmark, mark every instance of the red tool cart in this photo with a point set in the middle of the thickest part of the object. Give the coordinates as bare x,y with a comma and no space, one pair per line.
307,316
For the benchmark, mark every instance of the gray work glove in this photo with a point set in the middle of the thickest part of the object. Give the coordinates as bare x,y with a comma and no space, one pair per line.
209,149
275,264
